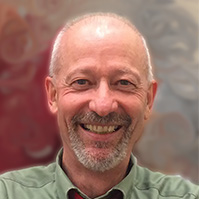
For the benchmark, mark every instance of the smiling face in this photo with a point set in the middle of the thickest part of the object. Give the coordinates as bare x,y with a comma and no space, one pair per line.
101,94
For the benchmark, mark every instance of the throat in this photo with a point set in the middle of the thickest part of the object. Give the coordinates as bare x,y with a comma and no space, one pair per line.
86,180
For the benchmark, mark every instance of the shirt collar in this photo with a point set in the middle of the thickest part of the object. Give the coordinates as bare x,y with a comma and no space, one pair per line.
64,184
125,186
61,179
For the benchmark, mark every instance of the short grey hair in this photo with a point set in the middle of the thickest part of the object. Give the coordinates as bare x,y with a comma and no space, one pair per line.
55,55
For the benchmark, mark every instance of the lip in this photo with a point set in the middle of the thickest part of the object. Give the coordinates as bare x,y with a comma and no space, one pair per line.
100,137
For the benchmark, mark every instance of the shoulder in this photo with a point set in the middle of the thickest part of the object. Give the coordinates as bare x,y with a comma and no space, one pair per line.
34,176
166,185
30,178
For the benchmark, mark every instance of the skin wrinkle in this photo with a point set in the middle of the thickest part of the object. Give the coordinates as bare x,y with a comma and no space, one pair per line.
66,84
69,87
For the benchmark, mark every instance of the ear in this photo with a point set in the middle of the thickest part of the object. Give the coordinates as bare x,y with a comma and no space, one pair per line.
150,98
51,92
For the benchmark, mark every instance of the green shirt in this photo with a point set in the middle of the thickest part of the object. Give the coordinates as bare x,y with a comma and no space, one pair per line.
50,182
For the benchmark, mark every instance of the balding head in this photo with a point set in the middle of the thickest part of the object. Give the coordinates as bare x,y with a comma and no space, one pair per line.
100,25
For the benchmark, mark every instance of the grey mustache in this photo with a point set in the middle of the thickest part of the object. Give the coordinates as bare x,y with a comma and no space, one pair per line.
113,118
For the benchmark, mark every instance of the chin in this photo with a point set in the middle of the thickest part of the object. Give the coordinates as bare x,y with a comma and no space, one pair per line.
100,160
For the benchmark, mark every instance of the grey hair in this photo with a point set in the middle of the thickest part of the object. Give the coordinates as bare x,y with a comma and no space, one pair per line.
55,57
150,68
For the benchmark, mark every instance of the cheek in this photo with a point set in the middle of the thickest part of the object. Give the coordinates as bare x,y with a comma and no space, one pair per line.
72,104
133,106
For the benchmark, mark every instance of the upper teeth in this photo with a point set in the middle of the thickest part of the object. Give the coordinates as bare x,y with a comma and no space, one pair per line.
100,129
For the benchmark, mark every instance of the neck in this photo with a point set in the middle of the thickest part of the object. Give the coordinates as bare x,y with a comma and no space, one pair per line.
86,180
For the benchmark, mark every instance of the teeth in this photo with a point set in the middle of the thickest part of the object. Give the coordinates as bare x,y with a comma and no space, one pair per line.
111,128
94,128
100,129
105,128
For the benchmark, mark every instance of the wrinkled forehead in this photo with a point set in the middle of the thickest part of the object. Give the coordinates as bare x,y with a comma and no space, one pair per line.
100,31
104,30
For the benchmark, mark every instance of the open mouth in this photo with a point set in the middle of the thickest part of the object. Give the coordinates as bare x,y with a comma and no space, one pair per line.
100,129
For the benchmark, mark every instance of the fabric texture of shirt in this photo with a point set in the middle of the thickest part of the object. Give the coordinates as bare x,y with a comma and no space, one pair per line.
50,182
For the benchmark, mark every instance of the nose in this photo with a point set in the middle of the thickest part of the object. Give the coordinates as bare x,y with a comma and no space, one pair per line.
103,102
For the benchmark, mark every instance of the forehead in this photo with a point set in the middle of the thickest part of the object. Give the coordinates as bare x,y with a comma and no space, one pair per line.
103,38
101,29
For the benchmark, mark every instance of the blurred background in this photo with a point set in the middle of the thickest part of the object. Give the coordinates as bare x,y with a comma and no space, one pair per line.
28,132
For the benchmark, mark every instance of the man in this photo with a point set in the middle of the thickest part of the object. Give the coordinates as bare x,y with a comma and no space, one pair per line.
102,90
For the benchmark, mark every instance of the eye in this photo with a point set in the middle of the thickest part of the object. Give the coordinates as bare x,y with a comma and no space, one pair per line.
81,84
81,81
125,85
124,82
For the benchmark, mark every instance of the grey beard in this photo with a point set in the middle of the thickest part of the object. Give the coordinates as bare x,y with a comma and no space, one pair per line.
99,163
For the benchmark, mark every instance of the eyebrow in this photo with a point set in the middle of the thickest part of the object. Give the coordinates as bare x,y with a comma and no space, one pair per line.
118,71
125,70
78,70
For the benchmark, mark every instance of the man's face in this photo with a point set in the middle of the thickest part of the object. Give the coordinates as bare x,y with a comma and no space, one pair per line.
101,94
